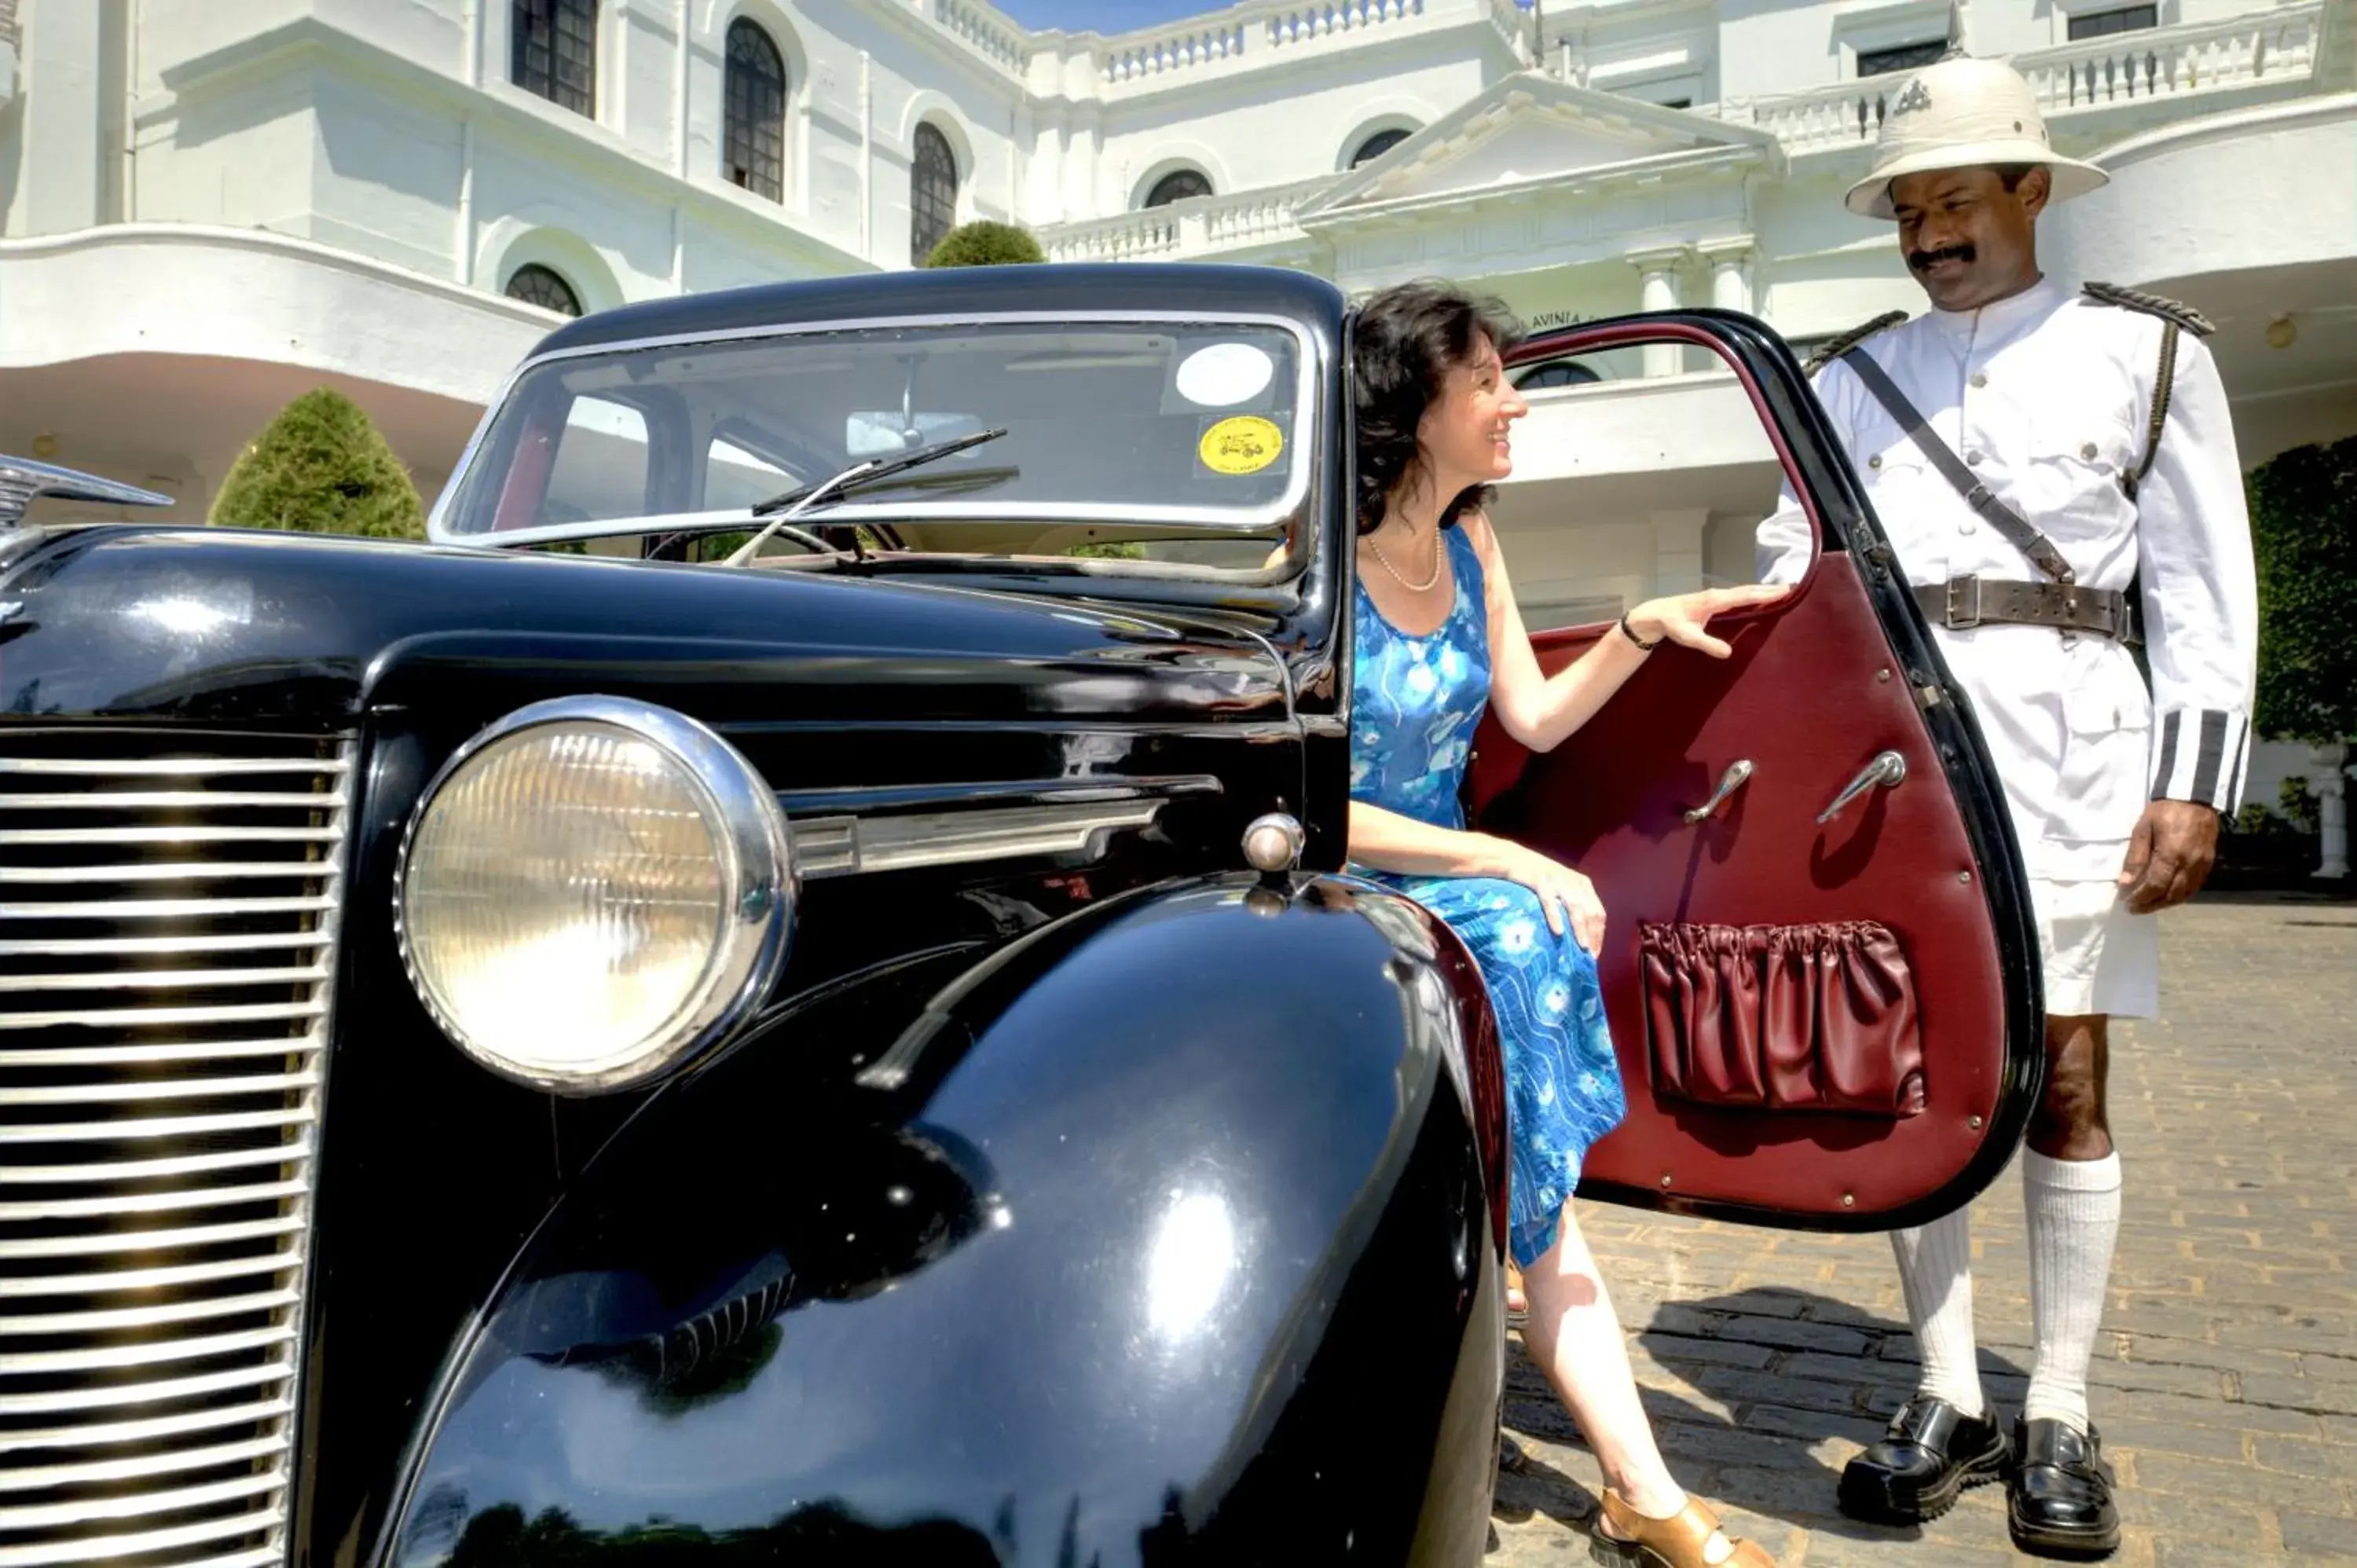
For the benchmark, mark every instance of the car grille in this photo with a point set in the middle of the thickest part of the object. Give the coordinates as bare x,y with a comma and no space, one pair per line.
167,937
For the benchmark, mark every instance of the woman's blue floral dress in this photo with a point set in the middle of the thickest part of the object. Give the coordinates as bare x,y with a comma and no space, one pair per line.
1415,701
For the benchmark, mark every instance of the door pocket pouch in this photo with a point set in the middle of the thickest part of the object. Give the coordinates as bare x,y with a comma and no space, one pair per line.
1815,1017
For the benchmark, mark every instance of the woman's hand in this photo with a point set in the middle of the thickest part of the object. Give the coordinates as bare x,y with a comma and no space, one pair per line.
1569,899
1683,620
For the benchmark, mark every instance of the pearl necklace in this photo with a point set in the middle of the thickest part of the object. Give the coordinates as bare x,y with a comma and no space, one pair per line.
1385,560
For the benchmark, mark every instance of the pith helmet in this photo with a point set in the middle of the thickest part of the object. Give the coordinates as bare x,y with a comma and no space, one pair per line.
1963,113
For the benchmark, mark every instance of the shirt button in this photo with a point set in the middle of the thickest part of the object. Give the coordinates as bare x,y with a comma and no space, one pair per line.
1980,378
1874,461
1974,458
1967,527
2088,451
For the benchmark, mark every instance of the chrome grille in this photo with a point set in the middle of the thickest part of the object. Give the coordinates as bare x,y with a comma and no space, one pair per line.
168,934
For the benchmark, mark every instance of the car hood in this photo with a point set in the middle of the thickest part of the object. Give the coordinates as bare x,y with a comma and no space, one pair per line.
223,627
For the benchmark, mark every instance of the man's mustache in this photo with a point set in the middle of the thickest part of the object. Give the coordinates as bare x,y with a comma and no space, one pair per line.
1920,260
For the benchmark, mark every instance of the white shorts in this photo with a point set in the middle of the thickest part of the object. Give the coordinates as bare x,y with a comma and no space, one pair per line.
2098,958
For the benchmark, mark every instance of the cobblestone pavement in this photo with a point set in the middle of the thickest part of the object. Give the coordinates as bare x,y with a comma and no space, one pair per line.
2225,1377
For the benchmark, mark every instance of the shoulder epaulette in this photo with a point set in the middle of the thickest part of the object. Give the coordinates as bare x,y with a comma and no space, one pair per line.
2185,315
1835,348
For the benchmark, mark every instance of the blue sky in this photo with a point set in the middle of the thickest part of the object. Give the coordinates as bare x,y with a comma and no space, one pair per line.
1107,16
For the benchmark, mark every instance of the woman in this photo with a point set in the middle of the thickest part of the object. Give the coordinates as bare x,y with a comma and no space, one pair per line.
1439,639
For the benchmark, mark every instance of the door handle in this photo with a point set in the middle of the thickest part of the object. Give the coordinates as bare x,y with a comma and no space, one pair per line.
1737,774
1888,768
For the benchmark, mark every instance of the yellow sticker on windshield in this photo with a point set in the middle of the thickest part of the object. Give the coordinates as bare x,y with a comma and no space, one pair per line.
1244,445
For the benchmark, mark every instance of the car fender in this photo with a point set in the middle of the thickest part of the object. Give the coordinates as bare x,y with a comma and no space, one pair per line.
1172,1231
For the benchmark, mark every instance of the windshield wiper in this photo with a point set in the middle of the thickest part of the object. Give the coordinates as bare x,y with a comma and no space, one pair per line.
788,505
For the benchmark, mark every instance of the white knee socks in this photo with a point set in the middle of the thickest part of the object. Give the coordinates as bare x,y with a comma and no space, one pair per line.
2073,1209
1935,1264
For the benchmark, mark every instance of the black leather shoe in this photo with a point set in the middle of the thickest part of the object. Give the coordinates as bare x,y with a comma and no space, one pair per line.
2059,1501
1934,1452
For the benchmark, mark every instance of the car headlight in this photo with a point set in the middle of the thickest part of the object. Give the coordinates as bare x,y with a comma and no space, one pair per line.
592,889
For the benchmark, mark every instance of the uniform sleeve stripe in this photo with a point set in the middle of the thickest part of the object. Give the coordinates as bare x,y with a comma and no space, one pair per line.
2210,757
2167,762
2207,766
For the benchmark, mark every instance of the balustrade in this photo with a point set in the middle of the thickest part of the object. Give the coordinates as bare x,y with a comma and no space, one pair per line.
2277,46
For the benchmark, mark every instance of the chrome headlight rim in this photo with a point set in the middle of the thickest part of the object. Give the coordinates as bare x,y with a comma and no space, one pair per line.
761,885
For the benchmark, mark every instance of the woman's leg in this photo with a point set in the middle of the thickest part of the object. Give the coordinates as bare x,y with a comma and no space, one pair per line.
1576,1338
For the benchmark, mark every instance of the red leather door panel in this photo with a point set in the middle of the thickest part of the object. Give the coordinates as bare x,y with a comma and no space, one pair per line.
1879,1095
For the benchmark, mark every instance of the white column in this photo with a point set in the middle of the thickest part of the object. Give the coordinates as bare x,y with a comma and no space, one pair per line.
867,156
679,91
1677,548
61,173
1658,290
1730,274
2331,809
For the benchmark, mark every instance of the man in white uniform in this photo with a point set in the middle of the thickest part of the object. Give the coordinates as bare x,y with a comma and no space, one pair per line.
2057,473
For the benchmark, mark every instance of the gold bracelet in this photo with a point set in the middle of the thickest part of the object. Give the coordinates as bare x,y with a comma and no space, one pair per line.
1626,631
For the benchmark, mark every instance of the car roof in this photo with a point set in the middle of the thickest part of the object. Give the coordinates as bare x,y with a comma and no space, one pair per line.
1052,286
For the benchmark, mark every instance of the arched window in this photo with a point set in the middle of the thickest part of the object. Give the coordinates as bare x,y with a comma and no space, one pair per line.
1379,143
554,51
1178,185
754,144
933,193
542,286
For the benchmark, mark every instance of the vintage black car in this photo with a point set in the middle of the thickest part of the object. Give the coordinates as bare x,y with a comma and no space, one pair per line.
786,989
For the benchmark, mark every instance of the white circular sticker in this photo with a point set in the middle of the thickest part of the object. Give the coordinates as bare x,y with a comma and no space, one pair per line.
1224,374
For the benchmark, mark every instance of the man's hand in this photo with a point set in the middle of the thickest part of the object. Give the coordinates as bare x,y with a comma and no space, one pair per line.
2170,855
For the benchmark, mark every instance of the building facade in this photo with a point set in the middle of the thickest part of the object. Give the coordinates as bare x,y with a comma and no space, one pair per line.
206,208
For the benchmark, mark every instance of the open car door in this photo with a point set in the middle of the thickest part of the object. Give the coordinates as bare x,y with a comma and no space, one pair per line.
1820,970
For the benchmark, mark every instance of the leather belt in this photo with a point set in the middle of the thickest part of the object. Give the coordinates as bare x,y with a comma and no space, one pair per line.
1962,602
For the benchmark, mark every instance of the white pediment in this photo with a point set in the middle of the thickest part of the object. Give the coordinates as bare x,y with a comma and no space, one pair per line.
1532,130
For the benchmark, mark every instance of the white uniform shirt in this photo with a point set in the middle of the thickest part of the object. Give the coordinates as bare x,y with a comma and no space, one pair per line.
2048,395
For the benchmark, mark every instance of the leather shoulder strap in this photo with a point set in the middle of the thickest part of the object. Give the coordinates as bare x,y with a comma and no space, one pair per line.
1999,516
2168,310
1836,348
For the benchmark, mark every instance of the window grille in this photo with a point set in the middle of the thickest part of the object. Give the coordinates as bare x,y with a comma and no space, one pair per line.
1906,56
554,51
2104,23
754,144
1178,185
536,285
933,193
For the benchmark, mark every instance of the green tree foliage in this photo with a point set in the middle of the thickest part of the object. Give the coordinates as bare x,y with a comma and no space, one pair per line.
321,468
984,244
2304,528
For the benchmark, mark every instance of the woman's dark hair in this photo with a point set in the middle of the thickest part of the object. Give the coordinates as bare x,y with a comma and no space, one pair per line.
1406,342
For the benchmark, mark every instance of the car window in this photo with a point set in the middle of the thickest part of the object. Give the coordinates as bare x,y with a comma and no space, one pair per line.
1116,433
735,477
601,459
1623,489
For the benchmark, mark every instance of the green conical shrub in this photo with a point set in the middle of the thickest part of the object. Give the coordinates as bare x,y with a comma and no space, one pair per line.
321,468
983,243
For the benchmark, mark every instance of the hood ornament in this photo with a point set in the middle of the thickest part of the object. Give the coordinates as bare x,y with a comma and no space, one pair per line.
22,479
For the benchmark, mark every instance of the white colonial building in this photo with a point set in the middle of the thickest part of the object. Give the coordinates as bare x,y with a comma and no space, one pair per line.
206,207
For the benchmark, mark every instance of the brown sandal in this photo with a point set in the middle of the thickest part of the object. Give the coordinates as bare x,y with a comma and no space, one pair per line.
1690,1538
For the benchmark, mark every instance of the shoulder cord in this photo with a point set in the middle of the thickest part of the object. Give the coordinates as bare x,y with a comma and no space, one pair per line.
2162,387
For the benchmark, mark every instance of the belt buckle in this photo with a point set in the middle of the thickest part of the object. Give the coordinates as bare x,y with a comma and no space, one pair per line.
1963,619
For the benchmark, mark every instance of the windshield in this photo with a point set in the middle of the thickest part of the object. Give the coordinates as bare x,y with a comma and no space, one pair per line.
1148,440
